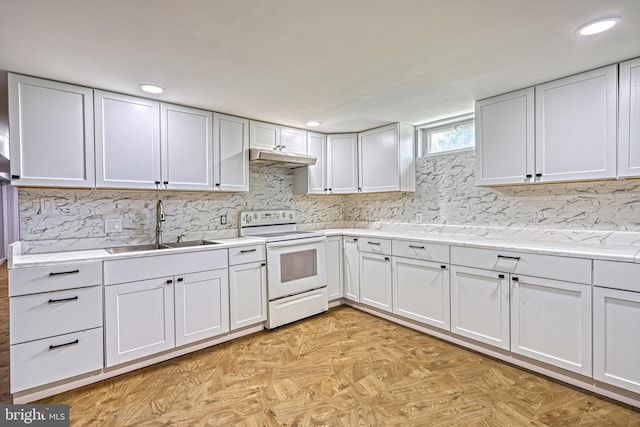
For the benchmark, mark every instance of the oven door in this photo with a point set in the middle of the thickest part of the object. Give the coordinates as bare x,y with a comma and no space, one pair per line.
295,266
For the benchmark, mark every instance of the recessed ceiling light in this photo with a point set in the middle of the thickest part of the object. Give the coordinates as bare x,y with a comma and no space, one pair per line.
151,88
313,123
597,26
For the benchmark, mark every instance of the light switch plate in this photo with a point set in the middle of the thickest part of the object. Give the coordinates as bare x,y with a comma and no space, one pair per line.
46,206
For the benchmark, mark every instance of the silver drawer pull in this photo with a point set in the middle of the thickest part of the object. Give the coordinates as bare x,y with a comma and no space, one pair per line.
416,247
53,301
53,347
63,273
374,243
246,251
516,258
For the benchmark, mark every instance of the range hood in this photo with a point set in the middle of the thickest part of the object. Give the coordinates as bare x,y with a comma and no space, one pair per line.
280,159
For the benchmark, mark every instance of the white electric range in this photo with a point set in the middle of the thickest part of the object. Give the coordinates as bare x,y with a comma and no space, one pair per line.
296,265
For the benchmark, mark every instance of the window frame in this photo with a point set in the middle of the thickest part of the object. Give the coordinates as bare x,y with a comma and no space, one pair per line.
438,125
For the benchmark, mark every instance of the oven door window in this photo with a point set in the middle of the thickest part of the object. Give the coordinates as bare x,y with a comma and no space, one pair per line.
298,265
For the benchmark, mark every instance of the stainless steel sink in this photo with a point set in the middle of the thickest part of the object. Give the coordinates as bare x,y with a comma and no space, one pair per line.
135,248
189,243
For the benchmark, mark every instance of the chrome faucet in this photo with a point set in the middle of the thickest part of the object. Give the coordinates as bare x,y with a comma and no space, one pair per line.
159,220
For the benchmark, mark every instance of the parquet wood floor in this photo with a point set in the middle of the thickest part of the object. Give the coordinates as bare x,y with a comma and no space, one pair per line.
341,368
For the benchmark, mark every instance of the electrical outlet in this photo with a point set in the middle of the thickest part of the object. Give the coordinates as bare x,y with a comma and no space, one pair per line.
419,217
223,219
112,225
46,206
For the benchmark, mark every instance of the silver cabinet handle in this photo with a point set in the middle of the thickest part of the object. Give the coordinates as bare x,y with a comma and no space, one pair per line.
374,243
416,247
246,251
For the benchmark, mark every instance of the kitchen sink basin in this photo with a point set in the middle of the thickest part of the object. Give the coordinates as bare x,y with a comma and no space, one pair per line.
135,248
189,243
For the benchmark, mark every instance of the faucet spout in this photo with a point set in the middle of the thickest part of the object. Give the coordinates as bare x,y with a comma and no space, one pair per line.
159,220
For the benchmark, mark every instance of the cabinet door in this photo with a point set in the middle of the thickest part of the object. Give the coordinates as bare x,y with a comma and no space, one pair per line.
375,274
230,148
313,179
505,139
378,160
293,140
629,119
138,319
51,139
334,267
616,343
186,148
421,291
480,305
551,322
342,163
127,141
248,294
202,305
264,135
576,126
351,269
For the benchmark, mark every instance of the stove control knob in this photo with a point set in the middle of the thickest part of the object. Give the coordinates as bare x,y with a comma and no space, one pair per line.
247,218
283,215
290,216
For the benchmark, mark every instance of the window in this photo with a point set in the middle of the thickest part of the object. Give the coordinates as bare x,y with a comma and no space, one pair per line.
452,134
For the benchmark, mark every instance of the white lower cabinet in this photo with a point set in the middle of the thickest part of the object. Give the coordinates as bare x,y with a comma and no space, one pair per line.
248,294
616,343
480,305
375,276
421,291
334,267
351,269
139,319
201,307
551,322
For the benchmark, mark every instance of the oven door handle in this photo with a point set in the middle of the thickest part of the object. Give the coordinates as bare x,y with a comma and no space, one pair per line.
295,242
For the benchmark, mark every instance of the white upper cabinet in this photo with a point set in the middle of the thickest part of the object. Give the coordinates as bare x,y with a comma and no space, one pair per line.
274,137
629,119
264,135
186,148
127,136
313,179
342,163
293,140
386,159
51,135
576,126
505,139
574,121
230,148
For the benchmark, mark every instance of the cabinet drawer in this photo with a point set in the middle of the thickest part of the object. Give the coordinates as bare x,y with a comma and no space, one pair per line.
52,359
245,254
617,275
419,250
576,270
376,246
33,317
134,269
54,278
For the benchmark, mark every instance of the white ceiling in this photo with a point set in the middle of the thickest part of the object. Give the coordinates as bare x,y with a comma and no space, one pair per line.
352,64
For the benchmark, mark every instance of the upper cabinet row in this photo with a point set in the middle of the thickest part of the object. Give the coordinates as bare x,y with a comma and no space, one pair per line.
582,127
70,136
381,159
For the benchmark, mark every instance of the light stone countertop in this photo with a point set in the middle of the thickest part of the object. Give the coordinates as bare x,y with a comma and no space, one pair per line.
609,252
18,260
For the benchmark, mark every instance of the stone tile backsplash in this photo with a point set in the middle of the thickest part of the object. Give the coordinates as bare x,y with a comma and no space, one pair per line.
445,194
